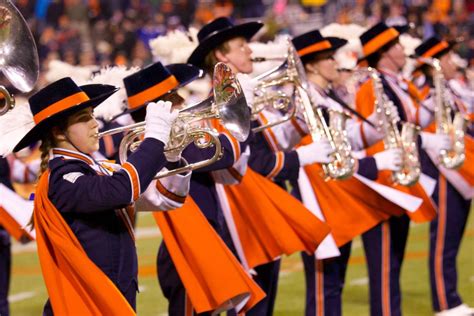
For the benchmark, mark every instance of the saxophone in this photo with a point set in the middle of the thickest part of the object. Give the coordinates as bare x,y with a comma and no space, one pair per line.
455,127
343,165
406,140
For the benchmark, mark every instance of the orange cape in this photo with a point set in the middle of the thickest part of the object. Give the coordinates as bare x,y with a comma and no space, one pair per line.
270,222
213,278
75,284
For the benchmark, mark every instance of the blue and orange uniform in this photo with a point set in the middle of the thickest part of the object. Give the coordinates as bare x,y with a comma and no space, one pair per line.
451,196
5,251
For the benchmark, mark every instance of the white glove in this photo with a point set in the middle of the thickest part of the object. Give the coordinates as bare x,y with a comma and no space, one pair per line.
390,159
159,119
173,156
435,142
320,151
248,86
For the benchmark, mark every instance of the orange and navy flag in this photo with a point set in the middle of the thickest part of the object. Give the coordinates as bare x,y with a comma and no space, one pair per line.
213,278
75,284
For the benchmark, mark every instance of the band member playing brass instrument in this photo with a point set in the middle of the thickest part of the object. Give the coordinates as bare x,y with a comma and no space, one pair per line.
452,169
288,226
86,245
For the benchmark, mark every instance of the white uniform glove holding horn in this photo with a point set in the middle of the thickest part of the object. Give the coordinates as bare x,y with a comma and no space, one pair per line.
159,119
435,142
316,152
390,159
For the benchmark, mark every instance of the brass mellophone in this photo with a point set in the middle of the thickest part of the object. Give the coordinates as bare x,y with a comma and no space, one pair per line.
292,71
269,91
18,55
227,104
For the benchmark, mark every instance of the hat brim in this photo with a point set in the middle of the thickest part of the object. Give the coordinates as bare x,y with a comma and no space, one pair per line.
247,30
336,43
364,58
184,74
97,94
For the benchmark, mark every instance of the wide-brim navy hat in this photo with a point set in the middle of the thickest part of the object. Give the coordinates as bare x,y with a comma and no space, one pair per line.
311,44
433,47
154,81
377,37
217,32
58,101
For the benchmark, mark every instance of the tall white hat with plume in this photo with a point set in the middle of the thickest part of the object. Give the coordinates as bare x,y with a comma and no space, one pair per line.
175,48
117,103
14,125
347,55
273,49
58,69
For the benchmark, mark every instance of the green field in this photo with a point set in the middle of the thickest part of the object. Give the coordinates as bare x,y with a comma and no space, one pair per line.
28,294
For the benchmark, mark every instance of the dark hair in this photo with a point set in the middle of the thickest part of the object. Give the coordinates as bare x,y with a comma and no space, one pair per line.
373,59
313,58
48,141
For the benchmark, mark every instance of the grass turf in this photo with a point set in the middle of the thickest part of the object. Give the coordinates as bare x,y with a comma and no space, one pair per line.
28,294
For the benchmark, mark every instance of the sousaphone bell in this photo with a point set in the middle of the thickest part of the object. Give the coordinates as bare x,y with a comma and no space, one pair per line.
18,55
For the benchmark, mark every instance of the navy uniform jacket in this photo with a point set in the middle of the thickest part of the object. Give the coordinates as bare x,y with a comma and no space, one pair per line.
5,180
89,203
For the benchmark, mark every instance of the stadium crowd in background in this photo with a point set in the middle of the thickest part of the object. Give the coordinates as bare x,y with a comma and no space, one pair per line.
104,32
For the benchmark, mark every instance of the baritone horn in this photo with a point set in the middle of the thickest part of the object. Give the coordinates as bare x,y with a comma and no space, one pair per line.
269,91
292,71
227,104
18,55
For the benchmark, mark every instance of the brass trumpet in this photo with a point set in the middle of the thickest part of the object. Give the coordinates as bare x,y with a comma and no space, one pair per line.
292,71
227,104
268,95
18,55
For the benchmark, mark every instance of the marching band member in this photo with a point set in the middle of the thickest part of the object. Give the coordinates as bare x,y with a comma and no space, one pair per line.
325,277
83,208
385,243
157,82
447,229
5,253
221,41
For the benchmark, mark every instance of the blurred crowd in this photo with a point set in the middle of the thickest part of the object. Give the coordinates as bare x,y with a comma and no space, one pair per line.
105,32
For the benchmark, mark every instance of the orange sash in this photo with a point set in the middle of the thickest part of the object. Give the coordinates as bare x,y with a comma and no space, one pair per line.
427,211
467,169
270,222
213,278
75,284
349,206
